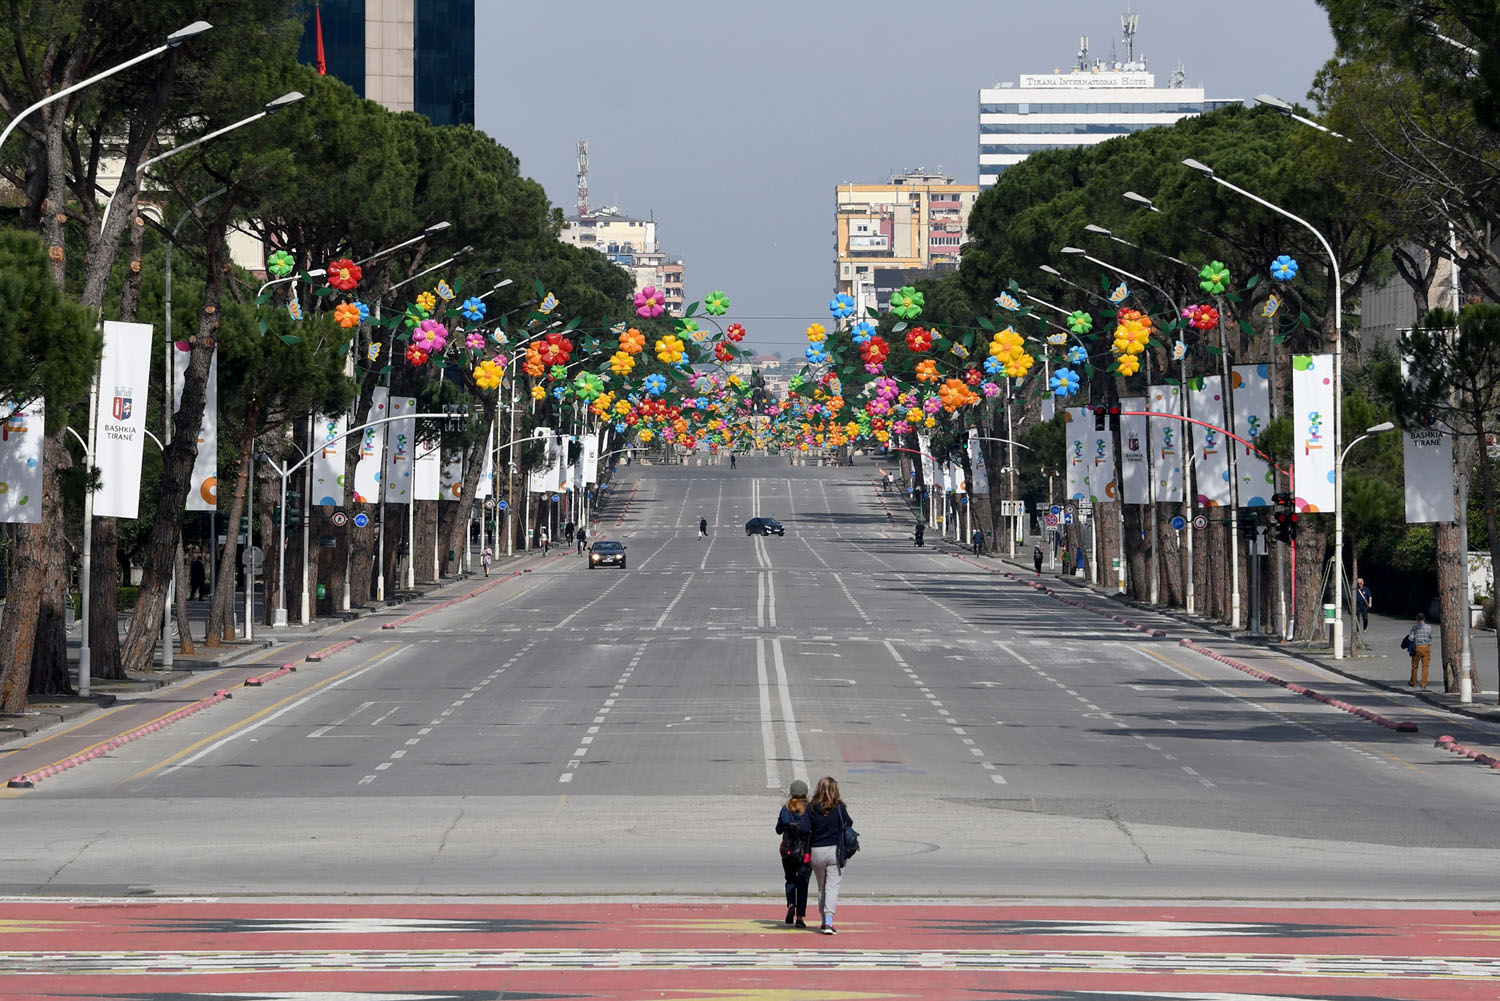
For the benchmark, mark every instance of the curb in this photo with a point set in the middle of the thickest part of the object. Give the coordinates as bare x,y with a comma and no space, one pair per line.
261,679
1449,744
1148,630
1403,727
454,601
329,651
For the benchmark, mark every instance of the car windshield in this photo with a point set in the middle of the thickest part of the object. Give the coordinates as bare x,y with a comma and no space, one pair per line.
607,547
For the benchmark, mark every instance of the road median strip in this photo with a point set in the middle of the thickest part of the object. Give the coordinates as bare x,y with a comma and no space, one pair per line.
1449,744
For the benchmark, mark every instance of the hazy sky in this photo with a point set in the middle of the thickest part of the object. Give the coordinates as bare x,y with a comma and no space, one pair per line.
731,123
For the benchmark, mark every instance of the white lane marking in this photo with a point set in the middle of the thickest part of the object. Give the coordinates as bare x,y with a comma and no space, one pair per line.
788,716
767,725
320,731
977,752
284,710
673,603
585,607
770,596
760,600
815,552
657,550
718,506
584,742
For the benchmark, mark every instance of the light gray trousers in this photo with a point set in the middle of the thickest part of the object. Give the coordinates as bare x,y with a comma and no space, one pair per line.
825,866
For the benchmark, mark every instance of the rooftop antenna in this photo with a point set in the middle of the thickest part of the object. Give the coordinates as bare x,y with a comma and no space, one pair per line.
583,180
1083,52
1178,78
1128,23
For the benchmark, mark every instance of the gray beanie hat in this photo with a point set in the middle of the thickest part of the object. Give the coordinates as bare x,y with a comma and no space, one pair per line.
798,789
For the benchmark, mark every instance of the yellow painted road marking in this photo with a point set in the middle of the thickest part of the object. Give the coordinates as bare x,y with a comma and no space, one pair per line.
258,715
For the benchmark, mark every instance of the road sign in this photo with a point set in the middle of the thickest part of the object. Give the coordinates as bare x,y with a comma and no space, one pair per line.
1055,509
1067,517
489,503
554,498
361,520
504,506
253,558
1200,522
1179,523
340,519
1051,521
1071,509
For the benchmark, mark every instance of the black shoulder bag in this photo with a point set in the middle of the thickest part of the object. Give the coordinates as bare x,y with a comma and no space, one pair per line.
848,838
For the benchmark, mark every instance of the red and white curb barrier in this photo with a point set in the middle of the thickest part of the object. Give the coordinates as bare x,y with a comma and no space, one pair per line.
329,651
1389,724
261,679
1448,743
1148,630
30,780
454,601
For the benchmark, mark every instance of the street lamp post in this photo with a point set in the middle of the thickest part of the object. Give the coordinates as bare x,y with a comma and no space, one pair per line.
1338,392
1375,429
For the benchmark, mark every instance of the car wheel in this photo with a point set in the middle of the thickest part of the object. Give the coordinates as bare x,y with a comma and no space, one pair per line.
622,564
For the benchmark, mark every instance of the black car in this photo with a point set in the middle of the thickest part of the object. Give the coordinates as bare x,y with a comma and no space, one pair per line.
764,526
607,553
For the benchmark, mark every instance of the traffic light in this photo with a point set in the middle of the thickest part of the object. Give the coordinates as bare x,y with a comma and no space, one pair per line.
1250,529
294,509
1286,526
1099,413
244,524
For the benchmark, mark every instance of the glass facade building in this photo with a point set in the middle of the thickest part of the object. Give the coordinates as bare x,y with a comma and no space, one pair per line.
445,61
343,41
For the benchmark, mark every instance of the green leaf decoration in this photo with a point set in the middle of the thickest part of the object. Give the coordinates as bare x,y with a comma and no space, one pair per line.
385,370
1174,382
541,289
458,284
573,323
1305,320
1232,296
898,327
1247,330
263,298
1279,339
986,323
290,339
1212,349
263,325
1104,284
304,276
692,308
872,312
1254,281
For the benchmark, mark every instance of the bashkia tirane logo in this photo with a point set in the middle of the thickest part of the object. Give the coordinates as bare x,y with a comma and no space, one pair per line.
121,408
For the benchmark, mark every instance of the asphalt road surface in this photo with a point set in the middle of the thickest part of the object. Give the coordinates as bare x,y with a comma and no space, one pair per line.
575,733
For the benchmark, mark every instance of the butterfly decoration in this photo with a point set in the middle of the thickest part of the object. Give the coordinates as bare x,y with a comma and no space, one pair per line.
548,304
1007,301
1057,339
499,337
1120,293
373,351
617,329
444,290
1273,303
294,308
960,350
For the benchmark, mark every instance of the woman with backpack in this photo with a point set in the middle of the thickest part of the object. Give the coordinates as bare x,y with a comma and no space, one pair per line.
828,822
796,857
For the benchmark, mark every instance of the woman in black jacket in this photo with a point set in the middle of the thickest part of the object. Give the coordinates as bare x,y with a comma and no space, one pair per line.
795,855
828,818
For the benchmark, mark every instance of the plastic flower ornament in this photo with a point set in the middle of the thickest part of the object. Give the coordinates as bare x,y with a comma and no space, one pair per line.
346,315
344,274
487,375
364,312
475,341
1129,364
473,309
416,355
1283,269
632,341
1214,278
655,384
1201,317
927,370
862,331
587,386
815,332
649,302
993,365
427,301
918,339
841,306
815,354
534,366
716,303
621,363
735,332
907,303
1077,356
1132,331
669,350
1018,365
1080,322
954,394
558,372
280,263
555,349
723,353
875,350
431,336
1005,343
1064,382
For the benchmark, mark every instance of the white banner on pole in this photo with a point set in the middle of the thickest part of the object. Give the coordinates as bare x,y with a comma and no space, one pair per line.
371,450
204,492
22,432
543,479
427,471
1134,453
980,475
955,477
1076,419
486,471
328,460
401,443
1090,457
1210,446
1312,432
452,486
929,467
124,380
590,459
1428,461
1252,412
1166,442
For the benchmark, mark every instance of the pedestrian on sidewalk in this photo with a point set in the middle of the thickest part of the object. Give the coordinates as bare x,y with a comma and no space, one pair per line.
1067,561
1036,557
1420,642
1362,603
977,541
543,541
795,829
1078,559
486,555
567,535
828,817
197,578
583,537
731,460
917,535
702,528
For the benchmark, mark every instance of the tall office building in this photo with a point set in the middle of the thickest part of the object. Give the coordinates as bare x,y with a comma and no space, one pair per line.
892,234
410,55
1084,106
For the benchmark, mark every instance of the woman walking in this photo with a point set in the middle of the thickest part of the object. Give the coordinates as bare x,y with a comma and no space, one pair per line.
796,858
827,820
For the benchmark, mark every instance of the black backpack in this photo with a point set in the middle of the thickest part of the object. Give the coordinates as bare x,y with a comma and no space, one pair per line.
794,842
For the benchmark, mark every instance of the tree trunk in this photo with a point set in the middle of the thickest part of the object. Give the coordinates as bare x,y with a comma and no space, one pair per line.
458,529
428,538
27,586
104,589
1312,545
185,643
1450,590
1492,530
221,612
1138,520
50,674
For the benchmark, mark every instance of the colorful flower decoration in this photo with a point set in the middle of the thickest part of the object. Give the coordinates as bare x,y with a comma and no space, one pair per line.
414,316
534,366
555,349
280,263
1129,364
694,332
538,392
416,355
669,349
444,290
473,309
907,303
487,375
862,331
294,308
655,384
1179,350
588,386
1214,278
431,336
427,301
558,372
1201,317
1064,382
548,304
1006,343
475,341
815,332
1077,356
918,339
875,350
620,363
1283,269
954,394
1132,332
632,341
649,302
1080,322
716,303
841,306
1018,365
927,370
735,332
993,365
723,353
1007,301
346,315
364,312
815,354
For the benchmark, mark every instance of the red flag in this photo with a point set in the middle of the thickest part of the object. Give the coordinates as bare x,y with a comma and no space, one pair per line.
322,60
